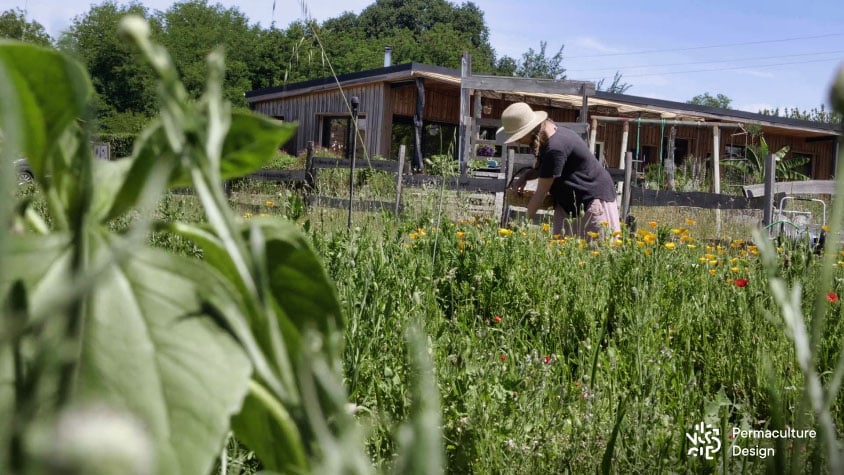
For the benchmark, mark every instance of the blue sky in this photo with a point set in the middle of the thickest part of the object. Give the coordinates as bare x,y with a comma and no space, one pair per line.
760,54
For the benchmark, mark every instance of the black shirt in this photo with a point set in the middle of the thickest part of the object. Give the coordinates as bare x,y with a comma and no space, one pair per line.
578,176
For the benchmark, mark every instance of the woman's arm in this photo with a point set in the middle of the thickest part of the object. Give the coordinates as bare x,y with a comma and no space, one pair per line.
543,186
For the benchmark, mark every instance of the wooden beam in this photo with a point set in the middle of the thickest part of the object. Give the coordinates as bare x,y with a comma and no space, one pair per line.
695,199
527,85
806,187
380,165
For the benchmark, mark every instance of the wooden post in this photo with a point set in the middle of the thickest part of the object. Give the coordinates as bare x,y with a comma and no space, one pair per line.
716,173
400,177
462,134
669,159
310,180
418,123
628,182
716,162
770,178
624,135
593,136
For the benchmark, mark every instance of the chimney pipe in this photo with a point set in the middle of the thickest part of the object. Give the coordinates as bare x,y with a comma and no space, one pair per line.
388,56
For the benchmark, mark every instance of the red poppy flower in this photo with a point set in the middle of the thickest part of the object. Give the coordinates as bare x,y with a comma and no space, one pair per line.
502,357
496,319
832,297
740,282
547,360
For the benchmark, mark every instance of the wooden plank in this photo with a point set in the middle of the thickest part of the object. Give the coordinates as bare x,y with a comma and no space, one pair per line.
543,86
343,203
280,175
456,183
694,199
806,187
380,165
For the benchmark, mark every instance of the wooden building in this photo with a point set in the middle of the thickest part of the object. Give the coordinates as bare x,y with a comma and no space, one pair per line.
421,105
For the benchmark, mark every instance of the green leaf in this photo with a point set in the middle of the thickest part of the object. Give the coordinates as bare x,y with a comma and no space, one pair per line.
149,344
44,90
266,427
251,141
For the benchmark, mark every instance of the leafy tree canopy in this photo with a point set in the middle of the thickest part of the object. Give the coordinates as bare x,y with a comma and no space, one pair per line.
13,25
534,64
707,99
818,114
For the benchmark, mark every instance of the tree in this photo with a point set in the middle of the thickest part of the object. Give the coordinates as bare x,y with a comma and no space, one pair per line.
818,114
534,64
193,28
13,25
121,83
705,99
617,87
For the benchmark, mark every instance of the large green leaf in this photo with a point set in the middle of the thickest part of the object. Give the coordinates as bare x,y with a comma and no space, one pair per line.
45,92
251,141
150,343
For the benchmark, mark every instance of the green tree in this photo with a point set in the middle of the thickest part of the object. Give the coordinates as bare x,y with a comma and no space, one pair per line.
193,28
707,99
13,25
122,85
616,87
817,114
534,64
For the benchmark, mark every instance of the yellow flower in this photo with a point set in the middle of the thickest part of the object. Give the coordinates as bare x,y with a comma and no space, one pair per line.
595,253
648,252
413,236
650,239
652,224
690,222
712,271
461,244
640,244
676,231
691,246
421,232
617,243
593,234
702,259
270,204
461,234
247,215
504,232
735,270
670,245
825,228
605,224
263,215
546,227
840,263
709,256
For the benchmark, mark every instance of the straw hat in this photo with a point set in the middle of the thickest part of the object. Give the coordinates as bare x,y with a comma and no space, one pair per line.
519,119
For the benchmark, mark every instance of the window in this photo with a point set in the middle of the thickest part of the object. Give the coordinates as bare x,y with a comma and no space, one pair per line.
734,152
336,134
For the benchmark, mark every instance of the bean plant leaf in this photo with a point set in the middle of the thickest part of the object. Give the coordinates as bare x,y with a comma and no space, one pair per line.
47,91
148,345
251,140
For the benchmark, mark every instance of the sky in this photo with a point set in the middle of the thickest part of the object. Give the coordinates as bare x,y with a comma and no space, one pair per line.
760,54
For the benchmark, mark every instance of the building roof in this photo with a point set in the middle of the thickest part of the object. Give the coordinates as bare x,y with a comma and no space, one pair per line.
621,103
397,73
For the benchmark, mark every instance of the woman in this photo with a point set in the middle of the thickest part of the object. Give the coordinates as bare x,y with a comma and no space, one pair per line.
582,189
